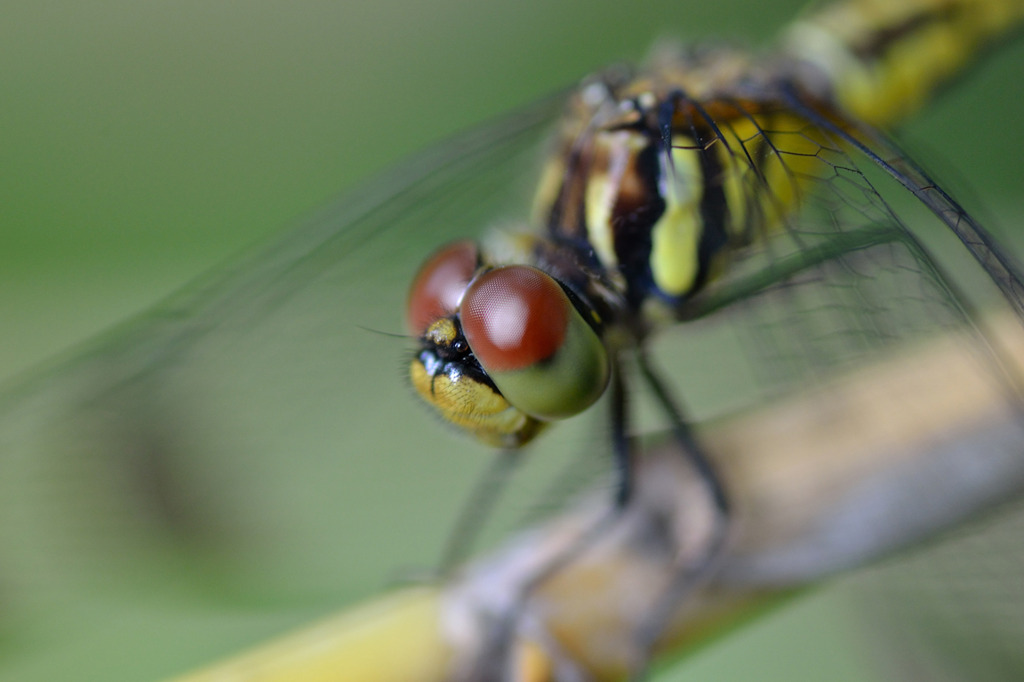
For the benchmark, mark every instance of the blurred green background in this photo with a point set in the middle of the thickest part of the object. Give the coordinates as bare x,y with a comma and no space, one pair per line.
144,143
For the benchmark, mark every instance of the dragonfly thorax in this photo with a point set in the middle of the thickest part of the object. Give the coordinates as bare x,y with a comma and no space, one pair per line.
649,193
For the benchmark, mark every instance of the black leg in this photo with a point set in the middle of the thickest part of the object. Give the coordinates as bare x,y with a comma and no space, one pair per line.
692,574
620,440
492,662
681,584
684,436
623,485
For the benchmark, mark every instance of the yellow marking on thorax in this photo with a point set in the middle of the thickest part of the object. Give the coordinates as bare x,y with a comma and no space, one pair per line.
552,177
604,187
676,236
787,154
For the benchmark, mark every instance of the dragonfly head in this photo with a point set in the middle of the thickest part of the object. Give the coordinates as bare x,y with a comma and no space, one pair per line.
503,350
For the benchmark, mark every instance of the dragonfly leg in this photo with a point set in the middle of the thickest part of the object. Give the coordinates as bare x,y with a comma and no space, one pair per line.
692,573
493,661
683,434
621,448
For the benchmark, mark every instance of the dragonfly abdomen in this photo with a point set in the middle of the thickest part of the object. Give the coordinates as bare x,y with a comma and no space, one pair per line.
881,60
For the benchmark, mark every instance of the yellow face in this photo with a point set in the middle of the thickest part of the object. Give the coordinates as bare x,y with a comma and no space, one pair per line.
469,402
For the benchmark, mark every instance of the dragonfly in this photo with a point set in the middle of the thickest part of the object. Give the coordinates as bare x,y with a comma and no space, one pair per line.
661,182
265,327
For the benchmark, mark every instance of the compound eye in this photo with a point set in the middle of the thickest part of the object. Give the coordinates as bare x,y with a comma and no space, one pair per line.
533,343
438,286
514,317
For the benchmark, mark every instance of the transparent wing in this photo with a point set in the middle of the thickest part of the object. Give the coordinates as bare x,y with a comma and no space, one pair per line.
878,266
250,449
859,270
954,611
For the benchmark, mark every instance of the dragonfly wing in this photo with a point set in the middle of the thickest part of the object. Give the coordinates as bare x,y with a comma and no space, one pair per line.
877,267
859,269
253,439
951,612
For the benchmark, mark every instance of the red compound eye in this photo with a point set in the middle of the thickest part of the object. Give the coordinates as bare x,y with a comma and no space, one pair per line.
514,317
439,285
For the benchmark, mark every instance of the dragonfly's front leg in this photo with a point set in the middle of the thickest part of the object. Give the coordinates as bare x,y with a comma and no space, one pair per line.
517,619
494,661
694,569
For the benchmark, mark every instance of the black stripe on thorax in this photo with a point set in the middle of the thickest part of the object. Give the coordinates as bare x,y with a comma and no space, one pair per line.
714,211
633,218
